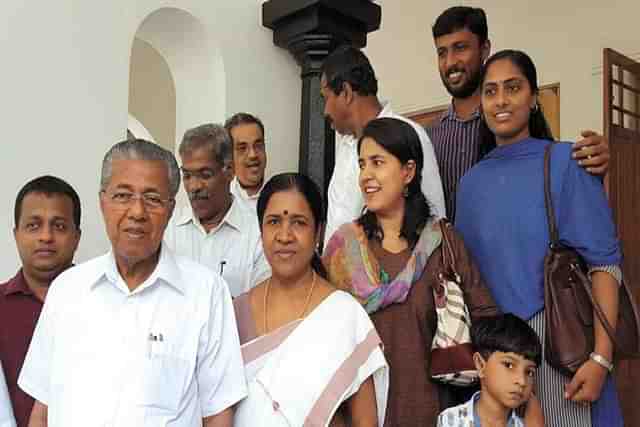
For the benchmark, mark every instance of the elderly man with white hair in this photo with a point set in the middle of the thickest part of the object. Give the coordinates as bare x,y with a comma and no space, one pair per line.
138,336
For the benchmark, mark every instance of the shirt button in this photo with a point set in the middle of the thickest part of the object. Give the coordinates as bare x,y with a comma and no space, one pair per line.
276,405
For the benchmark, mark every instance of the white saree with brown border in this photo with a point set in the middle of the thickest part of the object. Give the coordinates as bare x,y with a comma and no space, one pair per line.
299,374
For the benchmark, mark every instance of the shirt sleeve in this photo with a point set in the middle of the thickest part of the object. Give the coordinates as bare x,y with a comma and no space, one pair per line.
220,369
6,414
476,293
584,218
344,198
431,181
37,368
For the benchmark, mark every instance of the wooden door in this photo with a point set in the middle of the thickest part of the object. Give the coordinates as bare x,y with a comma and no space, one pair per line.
621,83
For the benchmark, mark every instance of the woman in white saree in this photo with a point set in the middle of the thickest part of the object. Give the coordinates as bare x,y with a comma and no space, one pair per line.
312,356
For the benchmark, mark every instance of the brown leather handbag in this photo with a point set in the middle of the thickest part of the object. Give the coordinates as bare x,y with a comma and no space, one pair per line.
569,303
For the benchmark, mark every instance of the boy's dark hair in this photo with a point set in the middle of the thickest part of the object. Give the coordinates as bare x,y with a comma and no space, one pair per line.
347,64
49,186
459,18
506,333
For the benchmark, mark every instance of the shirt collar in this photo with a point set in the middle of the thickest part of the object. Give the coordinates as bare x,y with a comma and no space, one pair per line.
471,406
236,187
166,272
386,111
450,114
232,218
17,285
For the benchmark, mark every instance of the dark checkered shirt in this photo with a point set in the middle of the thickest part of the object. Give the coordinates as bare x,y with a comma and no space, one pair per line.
456,144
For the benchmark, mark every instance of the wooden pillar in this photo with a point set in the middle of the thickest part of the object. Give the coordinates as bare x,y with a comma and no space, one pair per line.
310,30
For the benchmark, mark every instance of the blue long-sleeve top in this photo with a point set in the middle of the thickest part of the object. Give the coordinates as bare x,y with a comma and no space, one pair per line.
501,216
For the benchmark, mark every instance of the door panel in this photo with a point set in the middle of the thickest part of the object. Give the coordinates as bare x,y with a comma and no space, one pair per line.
621,85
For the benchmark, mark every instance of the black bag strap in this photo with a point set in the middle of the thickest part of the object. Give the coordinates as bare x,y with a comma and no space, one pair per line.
584,281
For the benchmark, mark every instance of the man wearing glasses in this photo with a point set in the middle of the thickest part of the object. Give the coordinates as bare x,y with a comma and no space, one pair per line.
217,230
249,157
139,336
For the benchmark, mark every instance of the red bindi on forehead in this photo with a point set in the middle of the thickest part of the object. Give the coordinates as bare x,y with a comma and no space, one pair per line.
285,212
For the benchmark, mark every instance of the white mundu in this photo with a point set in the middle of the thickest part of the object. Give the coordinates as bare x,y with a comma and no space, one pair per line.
165,355
6,413
232,249
345,201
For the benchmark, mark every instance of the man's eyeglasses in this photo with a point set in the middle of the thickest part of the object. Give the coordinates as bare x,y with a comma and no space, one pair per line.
126,198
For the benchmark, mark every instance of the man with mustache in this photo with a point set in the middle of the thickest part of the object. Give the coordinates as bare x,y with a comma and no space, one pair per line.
249,157
349,88
47,231
218,230
138,336
462,45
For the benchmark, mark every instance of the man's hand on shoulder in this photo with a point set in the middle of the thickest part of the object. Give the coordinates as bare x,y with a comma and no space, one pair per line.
592,152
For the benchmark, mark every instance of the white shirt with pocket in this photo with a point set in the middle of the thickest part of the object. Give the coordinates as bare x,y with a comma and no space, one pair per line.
6,413
166,354
232,249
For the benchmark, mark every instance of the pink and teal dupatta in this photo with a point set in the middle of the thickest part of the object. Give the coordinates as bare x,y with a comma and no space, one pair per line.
353,268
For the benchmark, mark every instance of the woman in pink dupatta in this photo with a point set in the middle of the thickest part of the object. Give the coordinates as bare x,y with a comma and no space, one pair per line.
390,257
312,356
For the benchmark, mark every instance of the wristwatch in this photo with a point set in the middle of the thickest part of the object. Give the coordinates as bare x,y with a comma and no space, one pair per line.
600,360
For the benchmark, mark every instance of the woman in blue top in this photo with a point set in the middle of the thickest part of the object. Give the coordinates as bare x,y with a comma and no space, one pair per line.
501,216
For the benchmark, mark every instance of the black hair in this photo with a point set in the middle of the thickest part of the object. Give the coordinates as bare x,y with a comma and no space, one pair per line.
402,141
538,127
347,64
310,191
49,186
506,333
459,18
243,119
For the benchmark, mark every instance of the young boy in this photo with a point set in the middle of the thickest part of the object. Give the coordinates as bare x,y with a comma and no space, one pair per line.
507,354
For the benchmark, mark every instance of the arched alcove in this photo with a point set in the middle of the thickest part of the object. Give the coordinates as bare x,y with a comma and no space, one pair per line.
195,65
194,62
152,96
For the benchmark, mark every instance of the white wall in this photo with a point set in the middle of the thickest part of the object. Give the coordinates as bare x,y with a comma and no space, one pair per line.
152,94
64,86
564,38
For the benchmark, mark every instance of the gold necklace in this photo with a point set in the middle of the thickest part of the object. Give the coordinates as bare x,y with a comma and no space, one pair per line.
306,304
